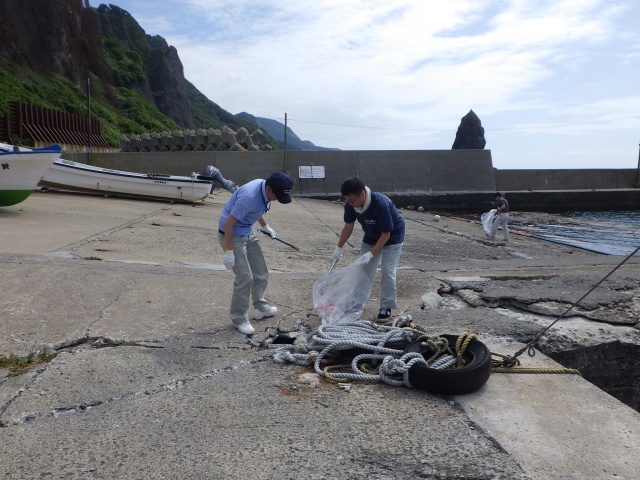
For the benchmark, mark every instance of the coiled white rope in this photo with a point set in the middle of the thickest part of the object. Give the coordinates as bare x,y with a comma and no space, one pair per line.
365,335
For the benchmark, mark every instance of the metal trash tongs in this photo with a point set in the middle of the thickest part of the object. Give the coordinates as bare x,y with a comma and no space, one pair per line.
335,261
324,284
276,238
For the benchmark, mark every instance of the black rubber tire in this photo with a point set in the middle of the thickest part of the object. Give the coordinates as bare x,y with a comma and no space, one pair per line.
457,381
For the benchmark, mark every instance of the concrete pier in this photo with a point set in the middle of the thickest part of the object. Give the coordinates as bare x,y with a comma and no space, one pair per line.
462,180
152,381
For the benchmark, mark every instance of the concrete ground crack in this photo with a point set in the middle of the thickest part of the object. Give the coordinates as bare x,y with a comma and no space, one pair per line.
75,408
96,342
18,394
88,406
109,304
72,246
547,308
159,269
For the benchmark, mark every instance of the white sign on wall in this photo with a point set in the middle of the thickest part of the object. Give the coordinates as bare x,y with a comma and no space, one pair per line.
311,171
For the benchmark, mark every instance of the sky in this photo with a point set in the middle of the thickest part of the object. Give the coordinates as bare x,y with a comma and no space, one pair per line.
555,83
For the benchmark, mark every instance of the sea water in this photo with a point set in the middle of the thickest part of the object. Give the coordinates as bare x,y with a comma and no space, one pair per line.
608,232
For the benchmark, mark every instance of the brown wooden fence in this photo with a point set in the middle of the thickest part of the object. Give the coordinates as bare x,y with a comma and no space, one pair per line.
45,126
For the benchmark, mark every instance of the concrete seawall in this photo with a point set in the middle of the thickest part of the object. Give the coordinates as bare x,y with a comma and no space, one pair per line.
462,180
390,171
529,201
560,179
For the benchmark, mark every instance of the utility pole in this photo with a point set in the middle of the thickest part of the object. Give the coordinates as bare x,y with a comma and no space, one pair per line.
88,120
638,172
285,143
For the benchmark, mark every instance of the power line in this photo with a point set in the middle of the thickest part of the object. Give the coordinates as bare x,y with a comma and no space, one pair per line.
567,124
363,126
450,130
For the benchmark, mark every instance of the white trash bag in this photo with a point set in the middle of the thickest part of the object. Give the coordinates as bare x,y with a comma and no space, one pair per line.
487,220
341,296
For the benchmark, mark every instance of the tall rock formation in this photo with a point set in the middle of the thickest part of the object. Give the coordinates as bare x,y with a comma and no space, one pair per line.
162,81
169,88
470,133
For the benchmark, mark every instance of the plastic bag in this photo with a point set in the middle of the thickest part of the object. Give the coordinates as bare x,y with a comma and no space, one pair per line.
487,220
341,296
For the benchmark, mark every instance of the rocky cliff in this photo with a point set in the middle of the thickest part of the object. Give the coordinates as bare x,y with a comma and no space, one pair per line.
161,80
137,80
52,37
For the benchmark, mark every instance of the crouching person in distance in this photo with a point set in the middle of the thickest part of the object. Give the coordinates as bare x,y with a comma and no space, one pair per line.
383,230
242,251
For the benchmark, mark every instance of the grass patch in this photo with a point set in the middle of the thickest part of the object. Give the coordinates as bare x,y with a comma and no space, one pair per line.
18,365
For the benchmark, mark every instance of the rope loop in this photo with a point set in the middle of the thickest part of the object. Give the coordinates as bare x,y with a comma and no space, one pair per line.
461,345
378,363
509,363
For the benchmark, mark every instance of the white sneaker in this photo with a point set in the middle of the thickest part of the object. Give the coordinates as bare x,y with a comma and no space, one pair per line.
246,328
259,314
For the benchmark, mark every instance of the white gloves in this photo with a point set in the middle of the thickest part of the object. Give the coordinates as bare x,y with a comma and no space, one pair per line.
336,253
269,230
364,259
229,259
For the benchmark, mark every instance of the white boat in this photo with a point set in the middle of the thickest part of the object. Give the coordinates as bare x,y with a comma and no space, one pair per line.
74,176
21,170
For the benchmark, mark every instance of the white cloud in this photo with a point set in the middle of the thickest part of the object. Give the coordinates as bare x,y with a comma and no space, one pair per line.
410,64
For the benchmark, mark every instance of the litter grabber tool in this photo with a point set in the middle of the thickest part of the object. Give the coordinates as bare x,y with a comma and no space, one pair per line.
333,265
324,281
276,238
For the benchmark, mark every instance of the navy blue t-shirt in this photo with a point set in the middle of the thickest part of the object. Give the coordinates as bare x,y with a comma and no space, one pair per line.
503,201
381,216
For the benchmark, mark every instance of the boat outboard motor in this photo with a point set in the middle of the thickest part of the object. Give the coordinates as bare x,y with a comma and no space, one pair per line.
213,174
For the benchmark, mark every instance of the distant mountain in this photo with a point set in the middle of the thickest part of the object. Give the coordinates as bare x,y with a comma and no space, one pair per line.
276,130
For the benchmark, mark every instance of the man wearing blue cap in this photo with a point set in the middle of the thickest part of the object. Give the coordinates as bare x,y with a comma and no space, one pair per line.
242,251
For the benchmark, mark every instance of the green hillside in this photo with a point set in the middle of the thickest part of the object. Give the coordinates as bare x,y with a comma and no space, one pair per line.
129,113
127,94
